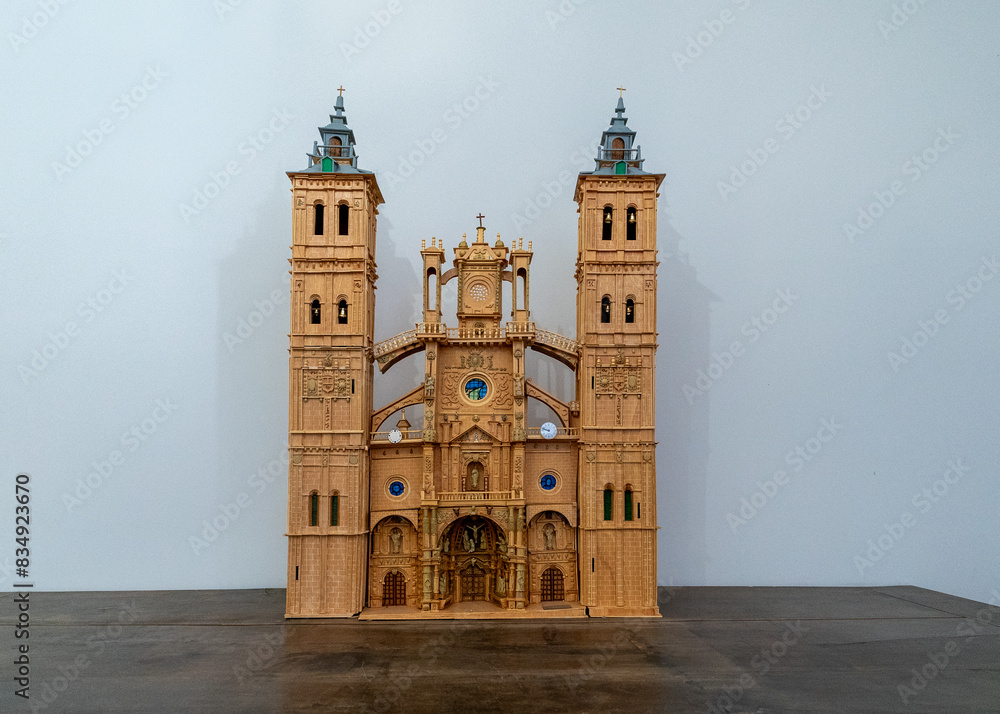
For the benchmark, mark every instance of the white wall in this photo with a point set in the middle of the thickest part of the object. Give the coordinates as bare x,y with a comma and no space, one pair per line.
545,73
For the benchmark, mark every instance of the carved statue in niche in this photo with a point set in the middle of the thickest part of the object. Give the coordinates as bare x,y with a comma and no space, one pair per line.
429,387
395,540
445,545
520,580
475,477
519,385
502,584
549,534
443,584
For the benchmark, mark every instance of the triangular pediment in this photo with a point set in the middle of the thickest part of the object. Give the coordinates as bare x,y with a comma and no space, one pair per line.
475,435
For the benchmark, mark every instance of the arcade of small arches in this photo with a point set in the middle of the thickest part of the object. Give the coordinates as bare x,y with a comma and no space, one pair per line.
494,558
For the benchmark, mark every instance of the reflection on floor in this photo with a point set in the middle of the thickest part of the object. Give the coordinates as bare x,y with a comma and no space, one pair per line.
714,650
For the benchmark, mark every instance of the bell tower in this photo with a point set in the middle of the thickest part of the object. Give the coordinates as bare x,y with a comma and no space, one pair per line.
334,209
616,329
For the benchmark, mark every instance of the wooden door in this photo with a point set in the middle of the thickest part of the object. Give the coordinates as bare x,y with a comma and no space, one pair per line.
552,585
474,583
393,589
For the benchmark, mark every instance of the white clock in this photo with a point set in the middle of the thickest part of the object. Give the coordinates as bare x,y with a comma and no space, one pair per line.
548,430
395,436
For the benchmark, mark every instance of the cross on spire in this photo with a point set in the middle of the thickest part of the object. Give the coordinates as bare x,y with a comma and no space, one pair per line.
341,90
480,217
620,90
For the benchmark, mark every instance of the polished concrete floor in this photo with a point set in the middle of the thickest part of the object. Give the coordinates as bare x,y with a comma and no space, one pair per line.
715,650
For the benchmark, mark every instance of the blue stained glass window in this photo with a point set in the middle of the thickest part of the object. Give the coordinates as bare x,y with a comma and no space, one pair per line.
548,482
475,389
396,488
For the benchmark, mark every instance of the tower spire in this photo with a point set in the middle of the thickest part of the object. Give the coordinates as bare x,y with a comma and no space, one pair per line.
335,152
618,153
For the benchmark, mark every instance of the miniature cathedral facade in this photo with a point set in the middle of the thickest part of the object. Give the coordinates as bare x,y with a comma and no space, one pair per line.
474,504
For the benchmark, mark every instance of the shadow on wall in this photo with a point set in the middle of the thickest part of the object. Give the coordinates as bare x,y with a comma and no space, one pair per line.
250,474
398,299
682,430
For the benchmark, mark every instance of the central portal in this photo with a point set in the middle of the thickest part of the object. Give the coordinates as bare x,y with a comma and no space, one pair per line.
474,562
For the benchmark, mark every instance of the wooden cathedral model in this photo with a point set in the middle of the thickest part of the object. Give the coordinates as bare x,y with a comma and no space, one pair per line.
474,512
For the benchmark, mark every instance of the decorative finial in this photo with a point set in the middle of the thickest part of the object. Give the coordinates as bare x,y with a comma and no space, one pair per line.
620,90
480,217
341,90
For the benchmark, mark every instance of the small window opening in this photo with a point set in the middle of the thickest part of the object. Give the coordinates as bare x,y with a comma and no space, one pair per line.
334,509
318,223
628,504
608,219
609,503
342,219
606,309
313,509
342,312
315,312
630,224
630,310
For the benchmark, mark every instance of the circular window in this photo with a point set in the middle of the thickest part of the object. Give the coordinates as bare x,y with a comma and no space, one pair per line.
475,389
547,482
479,292
396,488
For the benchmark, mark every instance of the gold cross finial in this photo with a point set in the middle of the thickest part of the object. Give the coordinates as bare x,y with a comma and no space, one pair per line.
480,217
341,90
620,90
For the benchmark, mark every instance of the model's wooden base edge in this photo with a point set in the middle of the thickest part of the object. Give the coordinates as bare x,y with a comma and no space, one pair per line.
320,615
623,611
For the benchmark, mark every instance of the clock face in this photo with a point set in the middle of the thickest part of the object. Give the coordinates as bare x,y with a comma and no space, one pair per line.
476,389
548,430
395,436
